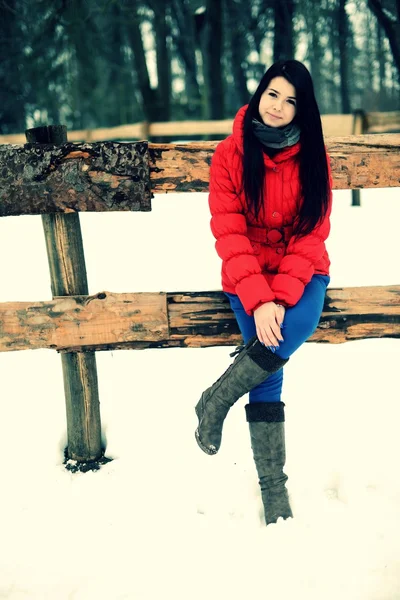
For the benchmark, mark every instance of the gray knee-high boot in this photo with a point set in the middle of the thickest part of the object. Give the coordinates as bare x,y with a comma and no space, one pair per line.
252,365
267,433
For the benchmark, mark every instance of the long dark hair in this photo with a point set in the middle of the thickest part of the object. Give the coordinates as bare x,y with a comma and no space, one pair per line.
314,180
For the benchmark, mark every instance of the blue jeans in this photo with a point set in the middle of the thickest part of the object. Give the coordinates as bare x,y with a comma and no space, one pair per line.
299,324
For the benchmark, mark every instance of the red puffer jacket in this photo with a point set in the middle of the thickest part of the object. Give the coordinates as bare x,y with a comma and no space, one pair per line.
261,260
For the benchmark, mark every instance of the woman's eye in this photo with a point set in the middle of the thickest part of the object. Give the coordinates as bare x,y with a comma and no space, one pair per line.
292,102
272,94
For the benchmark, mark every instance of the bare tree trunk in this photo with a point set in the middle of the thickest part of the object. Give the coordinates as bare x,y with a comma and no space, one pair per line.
315,49
185,42
259,24
12,109
369,57
238,46
381,62
81,35
332,88
391,27
343,32
163,60
212,49
116,81
283,38
149,96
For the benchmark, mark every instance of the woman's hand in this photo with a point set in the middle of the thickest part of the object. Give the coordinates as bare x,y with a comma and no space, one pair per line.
268,318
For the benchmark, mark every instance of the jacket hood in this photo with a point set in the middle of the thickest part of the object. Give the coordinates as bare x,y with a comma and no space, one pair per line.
237,133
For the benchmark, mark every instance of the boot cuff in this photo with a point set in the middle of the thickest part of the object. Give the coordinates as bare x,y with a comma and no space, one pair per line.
269,412
263,357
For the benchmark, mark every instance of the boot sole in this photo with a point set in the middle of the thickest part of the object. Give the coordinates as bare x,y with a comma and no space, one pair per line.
210,451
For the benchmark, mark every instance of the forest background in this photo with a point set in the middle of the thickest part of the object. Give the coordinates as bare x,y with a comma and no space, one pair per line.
100,63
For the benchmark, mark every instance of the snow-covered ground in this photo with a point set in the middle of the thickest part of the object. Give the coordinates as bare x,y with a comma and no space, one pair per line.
163,520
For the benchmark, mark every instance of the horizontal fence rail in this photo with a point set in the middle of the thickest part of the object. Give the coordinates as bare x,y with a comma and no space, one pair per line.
107,321
332,125
357,162
43,179
382,122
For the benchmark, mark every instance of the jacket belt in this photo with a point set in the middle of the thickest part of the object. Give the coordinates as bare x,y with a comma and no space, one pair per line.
273,235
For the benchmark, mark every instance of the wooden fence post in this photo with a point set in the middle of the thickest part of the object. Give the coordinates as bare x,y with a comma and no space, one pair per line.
359,128
68,278
146,130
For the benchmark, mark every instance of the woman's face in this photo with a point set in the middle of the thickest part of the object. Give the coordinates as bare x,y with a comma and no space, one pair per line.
277,106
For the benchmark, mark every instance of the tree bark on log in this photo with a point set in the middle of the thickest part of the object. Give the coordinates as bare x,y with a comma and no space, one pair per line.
43,178
121,177
109,321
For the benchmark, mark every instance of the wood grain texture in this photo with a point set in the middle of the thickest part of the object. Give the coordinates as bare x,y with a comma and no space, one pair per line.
365,161
43,179
104,318
65,254
357,162
82,405
109,321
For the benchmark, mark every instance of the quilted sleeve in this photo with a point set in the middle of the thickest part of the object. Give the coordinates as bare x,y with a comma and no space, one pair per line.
228,225
298,265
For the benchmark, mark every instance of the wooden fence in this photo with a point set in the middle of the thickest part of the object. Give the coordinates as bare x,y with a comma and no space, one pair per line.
57,179
357,123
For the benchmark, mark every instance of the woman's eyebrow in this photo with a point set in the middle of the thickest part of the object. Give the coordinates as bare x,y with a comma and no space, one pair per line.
276,92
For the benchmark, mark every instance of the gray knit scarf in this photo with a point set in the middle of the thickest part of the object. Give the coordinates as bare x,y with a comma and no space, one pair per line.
276,137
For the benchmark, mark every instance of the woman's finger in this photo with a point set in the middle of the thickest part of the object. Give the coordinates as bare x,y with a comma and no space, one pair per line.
279,327
269,335
276,331
280,315
263,336
272,340
259,335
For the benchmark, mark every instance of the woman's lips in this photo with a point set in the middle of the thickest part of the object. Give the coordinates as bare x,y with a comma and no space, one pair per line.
273,116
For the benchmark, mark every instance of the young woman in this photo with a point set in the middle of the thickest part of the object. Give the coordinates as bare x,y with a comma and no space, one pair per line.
270,201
